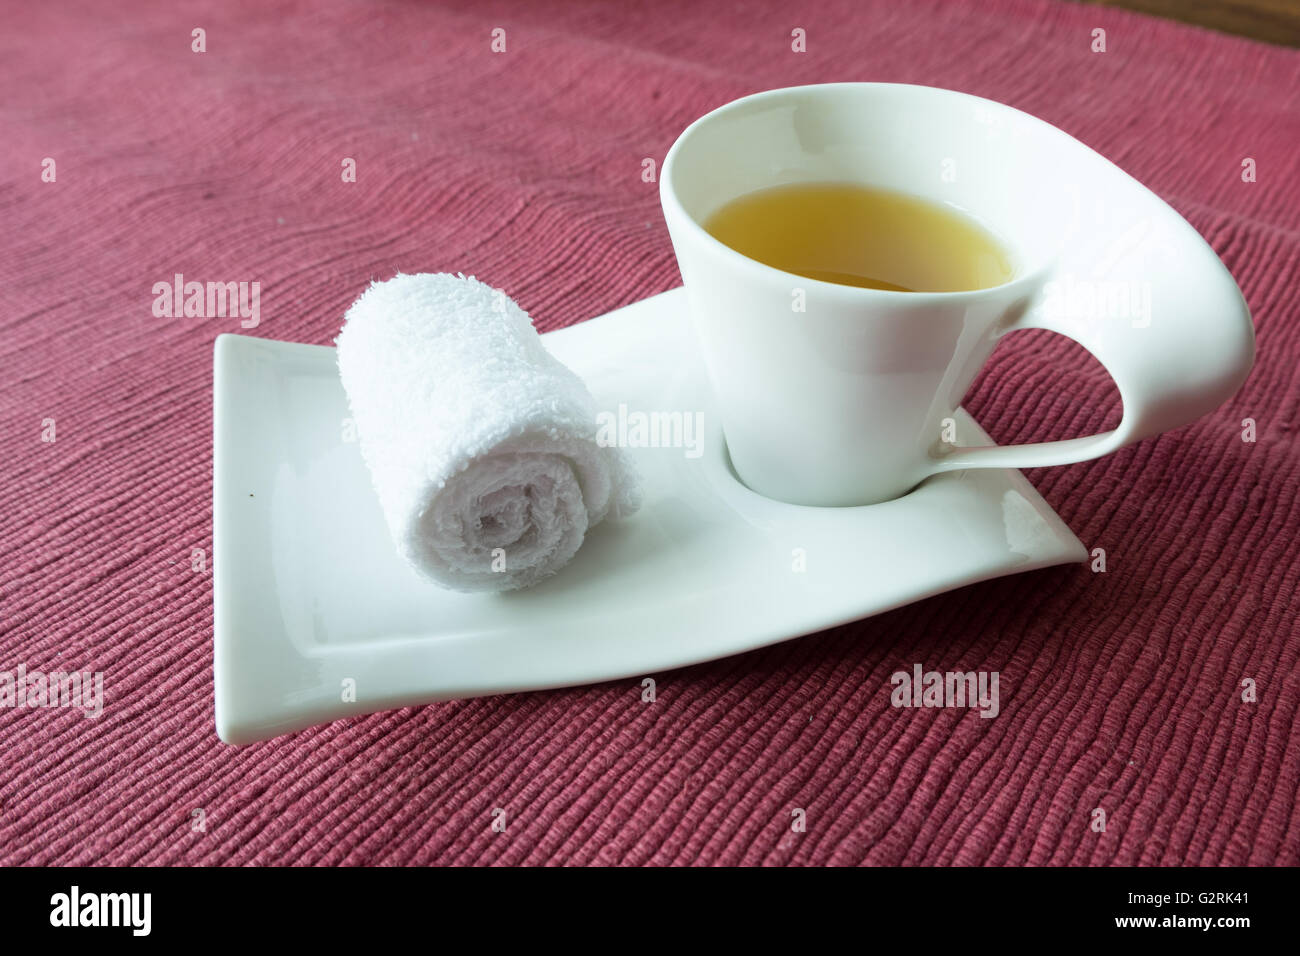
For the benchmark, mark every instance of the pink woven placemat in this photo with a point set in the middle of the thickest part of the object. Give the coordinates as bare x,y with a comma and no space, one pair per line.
1120,691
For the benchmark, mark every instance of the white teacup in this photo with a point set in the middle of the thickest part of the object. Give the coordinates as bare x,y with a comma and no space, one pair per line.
850,401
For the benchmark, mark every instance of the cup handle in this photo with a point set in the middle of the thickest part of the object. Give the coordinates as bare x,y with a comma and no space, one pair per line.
1193,353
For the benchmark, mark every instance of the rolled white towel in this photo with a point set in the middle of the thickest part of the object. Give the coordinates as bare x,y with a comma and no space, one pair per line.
481,445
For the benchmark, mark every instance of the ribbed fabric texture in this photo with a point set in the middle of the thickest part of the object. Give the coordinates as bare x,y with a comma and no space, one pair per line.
1120,691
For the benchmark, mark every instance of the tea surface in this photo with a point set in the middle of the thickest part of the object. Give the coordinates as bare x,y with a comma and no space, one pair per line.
862,236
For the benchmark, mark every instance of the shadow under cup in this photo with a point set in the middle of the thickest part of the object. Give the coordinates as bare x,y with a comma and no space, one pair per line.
832,394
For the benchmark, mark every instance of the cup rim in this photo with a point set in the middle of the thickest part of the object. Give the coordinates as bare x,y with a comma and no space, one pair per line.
1034,273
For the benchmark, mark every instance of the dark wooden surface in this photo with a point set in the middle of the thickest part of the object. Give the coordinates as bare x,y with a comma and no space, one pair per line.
1273,21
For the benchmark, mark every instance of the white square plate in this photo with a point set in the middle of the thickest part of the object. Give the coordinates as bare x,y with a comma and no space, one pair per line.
311,599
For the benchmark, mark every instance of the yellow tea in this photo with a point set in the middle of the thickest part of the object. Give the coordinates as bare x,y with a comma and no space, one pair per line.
861,236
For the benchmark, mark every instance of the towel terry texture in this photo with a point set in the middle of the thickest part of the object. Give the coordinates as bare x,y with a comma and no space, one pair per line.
481,445
533,168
